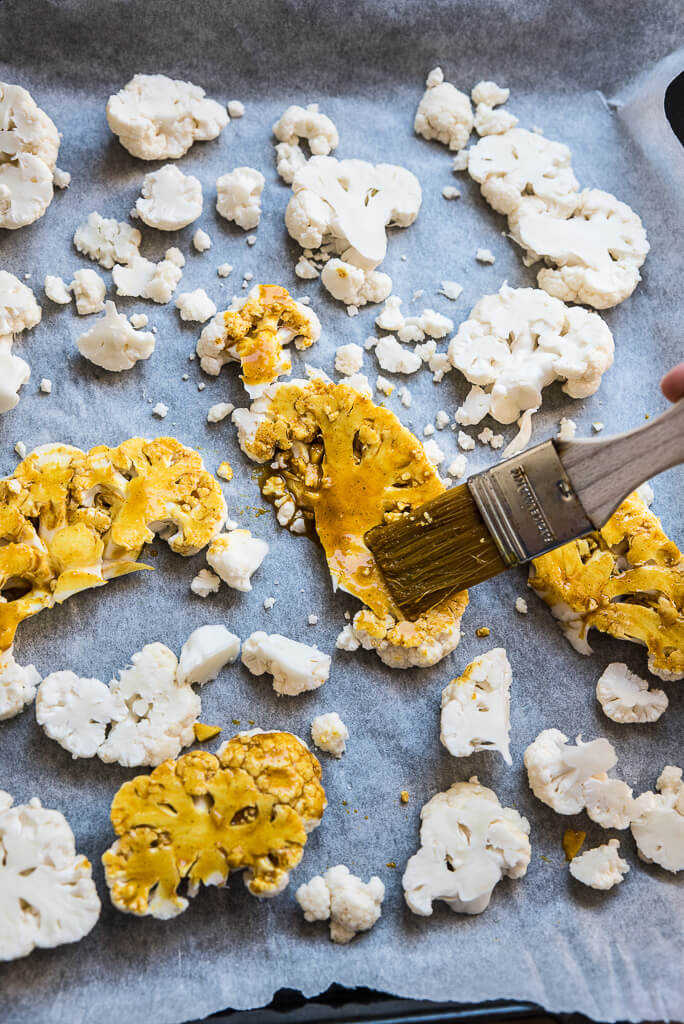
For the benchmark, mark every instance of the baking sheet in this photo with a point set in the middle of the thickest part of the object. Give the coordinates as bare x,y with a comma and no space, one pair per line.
545,938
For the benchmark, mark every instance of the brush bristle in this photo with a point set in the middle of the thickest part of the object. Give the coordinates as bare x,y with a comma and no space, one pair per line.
440,548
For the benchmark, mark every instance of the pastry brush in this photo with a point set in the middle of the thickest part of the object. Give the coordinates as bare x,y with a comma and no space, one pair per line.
519,509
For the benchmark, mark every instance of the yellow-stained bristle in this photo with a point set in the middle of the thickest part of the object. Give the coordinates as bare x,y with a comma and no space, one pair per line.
442,547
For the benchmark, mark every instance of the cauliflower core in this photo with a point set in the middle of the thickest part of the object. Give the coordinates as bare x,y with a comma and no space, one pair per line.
624,697
469,842
47,893
29,143
295,667
349,904
71,520
626,580
600,868
476,707
255,334
343,464
658,822
518,341
444,113
159,118
329,733
170,200
194,820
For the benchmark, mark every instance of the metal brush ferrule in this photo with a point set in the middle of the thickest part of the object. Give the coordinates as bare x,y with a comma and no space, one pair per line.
529,505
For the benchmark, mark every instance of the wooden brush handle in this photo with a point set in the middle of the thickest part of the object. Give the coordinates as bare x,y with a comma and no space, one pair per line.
604,471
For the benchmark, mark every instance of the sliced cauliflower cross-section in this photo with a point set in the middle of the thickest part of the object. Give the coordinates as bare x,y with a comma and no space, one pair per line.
658,822
17,685
476,707
169,199
469,842
76,712
239,196
518,341
600,868
29,143
159,118
107,240
295,667
624,697
195,820
444,113
19,310
142,278
349,904
47,893
113,343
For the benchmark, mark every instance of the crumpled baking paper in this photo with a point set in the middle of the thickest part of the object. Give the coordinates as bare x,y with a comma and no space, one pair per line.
584,76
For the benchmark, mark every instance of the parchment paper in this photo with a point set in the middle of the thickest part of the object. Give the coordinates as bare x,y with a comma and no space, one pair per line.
545,938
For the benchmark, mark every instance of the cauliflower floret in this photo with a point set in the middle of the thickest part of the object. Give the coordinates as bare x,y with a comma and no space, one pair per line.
329,733
169,828
469,842
19,310
474,409
444,114
624,580
219,411
107,241
56,290
486,96
25,191
14,372
658,822
239,196
600,868
204,654
201,241
430,323
349,904
255,335
295,667
170,200
76,712
592,257
476,707
390,317
29,142
347,206
142,278
518,341
47,893
159,118
348,359
419,644
205,583
195,306
395,359
307,123
624,697
346,641
608,802
89,291
17,685
353,285
520,163
113,343
236,556
489,93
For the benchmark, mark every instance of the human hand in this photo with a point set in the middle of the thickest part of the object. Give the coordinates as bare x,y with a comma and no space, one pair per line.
672,384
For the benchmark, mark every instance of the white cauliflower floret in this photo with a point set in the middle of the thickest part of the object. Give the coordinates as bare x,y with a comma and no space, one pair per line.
519,340
236,556
76,711
307,123
195,306
348,204
14,372
489,93
107,241
26,191
204,654
353,285
47,893
346,641
430,323
113,343
476,707
205,583
592,257
17,685
390,317
159,118
29,143
520,163
486,96
239,196
170,200
289,159
469,842
201,241
394,358
295,667
349,904
600,868
608,802
89,291
329,733
444,114
658,822
142,278
56,290
475,407
19,310
348,359
624,697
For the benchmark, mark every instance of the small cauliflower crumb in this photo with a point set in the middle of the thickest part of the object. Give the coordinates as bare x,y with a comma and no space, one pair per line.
160,410
434,452
451,289
405,397
457,467
201,240
346,641
20,449
138,320
312,620
567,429
305,269
269,602
60,178
521,605
205,583
349,359
236,109
597,427
329,733
384,385
441,419
224,270
428,430
485,256
460,161
219,411
46,386
465,441
56,290
450,192
225,471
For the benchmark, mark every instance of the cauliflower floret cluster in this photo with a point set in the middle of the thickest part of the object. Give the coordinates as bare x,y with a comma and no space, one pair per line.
29,143
193,821
239,196
658,822
469,842
113,343
518,341
298,123
572,779
170,200
47,893
71,520
476,707
624,697
344,207
343,464
17,685
255,335
236,556
107,241
19,311
329,733
600,868
626,580
295,667
351,906
592,244
488,121
444,113
159,118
